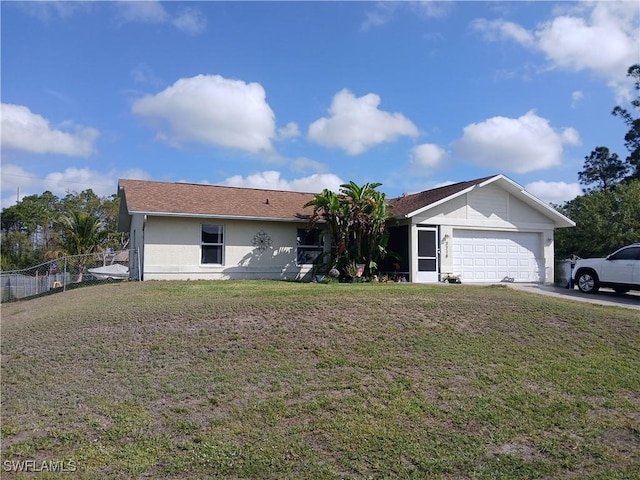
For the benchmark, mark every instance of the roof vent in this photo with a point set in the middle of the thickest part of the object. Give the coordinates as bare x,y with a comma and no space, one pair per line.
267,202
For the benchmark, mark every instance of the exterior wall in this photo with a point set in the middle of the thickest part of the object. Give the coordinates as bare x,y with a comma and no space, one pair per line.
173,250
487,208
136,242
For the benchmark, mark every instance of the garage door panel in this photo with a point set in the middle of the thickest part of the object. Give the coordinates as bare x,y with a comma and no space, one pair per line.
483,256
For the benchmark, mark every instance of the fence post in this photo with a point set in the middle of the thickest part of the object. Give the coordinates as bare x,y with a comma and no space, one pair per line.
64,276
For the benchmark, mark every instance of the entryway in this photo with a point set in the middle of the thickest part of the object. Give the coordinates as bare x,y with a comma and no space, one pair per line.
427,254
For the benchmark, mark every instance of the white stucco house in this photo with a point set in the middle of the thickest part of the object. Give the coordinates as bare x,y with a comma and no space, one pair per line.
484,230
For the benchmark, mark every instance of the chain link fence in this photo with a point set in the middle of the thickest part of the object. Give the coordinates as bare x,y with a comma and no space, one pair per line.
69,272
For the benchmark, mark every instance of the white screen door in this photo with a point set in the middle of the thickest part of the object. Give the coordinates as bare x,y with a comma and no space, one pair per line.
427,254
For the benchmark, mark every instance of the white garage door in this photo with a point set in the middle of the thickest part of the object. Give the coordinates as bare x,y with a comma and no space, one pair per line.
483,256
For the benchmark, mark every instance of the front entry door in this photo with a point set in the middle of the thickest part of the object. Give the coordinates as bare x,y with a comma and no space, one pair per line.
427,254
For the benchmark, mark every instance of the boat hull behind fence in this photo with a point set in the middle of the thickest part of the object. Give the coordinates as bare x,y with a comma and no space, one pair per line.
68,272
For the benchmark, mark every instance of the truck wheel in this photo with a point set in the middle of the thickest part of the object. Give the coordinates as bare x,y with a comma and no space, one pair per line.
587,281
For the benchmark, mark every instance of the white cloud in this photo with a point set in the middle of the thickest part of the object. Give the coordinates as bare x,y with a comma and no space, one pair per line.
554,192
78,179
356,124
148,11
426,158
271,180
46,11
16,181
304,164
576,97
290,130
606,41
383,12
27,131
316,183
601,37
444,184
190,20
212,110
102,183
502,30
142,73
523,144
380,14
431,8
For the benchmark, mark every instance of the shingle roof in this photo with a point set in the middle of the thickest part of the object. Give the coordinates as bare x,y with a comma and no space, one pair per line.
187,199
410,203
165,198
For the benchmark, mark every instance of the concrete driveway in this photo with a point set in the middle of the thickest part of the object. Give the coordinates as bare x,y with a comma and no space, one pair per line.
603,297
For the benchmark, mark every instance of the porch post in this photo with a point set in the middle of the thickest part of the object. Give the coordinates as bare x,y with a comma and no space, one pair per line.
413,252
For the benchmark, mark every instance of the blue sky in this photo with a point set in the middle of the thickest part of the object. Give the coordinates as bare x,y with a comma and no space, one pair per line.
309,95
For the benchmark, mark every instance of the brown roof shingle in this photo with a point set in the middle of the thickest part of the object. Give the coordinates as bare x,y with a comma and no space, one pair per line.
165,198
410,203
212,200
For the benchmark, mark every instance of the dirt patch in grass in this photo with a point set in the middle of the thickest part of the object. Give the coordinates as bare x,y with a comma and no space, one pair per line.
625,440
520,448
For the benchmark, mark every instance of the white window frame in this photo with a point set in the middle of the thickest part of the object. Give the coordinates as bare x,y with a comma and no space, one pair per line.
212,244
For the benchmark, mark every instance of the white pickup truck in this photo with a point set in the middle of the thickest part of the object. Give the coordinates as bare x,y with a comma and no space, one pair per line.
620,271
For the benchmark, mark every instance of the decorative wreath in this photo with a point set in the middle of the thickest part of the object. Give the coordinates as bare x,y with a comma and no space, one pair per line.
261,240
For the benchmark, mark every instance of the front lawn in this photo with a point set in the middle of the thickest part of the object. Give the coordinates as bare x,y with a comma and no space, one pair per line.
287,380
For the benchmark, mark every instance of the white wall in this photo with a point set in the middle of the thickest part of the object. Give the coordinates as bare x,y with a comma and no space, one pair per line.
172,250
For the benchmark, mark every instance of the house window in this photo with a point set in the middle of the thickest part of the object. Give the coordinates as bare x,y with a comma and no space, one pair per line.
212,244
309,246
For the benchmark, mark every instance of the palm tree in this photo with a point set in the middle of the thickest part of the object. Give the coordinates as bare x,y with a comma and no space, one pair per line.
82,233
368,213
377,230
356,220
329,208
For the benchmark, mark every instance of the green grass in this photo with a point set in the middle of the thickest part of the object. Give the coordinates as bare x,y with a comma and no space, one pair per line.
286,380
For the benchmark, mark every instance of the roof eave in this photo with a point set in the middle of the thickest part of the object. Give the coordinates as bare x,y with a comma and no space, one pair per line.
221,217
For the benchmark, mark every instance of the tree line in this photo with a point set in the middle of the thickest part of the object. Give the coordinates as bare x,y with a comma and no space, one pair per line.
44,227
607,215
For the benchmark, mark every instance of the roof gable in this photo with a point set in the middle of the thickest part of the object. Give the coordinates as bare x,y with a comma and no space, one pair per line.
411,205
187,199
